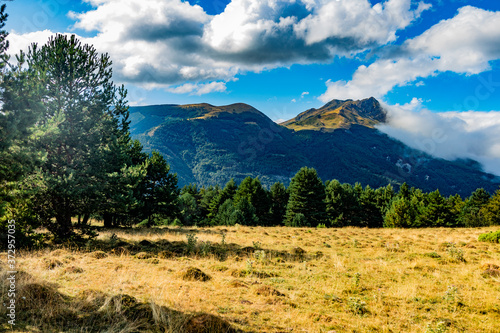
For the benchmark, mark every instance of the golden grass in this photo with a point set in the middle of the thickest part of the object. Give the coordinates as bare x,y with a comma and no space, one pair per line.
348,280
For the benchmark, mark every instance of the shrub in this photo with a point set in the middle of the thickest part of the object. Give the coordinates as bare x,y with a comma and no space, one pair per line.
493,237
357,306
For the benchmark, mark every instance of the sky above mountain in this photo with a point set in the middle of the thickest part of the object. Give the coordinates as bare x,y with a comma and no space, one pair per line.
283,57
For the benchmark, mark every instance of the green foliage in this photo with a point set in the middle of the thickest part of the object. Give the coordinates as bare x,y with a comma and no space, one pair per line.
251,190
455,253
189,210
307,197
247,213
279,199
435,211
491,211
158,189
299,220
492,237
222,196
472,214
401,214
82,132
191,242
357,306
342,204
225,213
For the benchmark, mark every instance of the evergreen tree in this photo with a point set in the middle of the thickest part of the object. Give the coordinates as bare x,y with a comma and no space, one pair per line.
82,132
158,189
401,214
342,204
385,195
251,189
227,193
435,212
491,211
472,214
279,199
224,213
189,209
207,195
455,206
307,197
248,212
370,214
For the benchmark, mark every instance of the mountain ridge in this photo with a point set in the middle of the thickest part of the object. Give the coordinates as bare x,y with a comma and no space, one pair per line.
339,114
209,145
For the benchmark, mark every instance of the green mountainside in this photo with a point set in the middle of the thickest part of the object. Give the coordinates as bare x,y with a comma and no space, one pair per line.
209,145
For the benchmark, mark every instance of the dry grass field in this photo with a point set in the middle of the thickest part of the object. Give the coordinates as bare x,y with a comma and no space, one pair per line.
256,279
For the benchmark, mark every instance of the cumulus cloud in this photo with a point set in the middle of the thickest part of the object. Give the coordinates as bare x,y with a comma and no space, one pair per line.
199,89
463,44
448,135
165,43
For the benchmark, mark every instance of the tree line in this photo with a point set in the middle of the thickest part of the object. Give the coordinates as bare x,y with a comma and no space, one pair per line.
67,156
308,202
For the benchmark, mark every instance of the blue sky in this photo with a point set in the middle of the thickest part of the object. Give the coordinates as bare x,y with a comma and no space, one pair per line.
419,58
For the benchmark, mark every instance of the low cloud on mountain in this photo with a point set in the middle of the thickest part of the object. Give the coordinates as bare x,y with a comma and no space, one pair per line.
449,135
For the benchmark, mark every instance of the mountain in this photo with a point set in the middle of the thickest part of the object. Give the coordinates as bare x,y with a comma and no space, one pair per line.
339,114
209,145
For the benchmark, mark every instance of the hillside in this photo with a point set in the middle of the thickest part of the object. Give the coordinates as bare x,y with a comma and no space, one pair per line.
209,145
339,114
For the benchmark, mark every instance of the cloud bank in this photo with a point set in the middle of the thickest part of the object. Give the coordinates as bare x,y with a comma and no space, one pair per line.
449,135
170,43
463,44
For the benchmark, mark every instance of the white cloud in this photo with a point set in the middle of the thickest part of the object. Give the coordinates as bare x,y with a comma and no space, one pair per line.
357,20
464,44
164,43
199,89
448,135
305,93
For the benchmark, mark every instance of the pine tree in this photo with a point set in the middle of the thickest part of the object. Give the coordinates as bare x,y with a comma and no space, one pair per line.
472,214
401,214
227,193
251,189
82,132
159,189
342,204
435,212
224,213
248,212
307,197
279,199
491,211
370,214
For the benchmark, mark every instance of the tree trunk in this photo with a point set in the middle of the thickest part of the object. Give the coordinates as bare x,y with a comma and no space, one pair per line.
108,220
64,227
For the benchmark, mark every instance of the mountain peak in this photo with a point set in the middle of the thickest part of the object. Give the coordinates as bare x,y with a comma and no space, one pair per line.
339,114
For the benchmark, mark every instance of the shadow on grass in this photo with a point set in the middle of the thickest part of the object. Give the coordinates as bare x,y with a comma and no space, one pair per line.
40,307
165,249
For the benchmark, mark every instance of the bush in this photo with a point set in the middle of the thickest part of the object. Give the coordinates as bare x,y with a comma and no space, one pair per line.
493,237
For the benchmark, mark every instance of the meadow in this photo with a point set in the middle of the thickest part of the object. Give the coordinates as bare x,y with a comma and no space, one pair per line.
258,279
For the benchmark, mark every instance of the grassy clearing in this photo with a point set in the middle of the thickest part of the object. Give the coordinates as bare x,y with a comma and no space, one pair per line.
258,279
